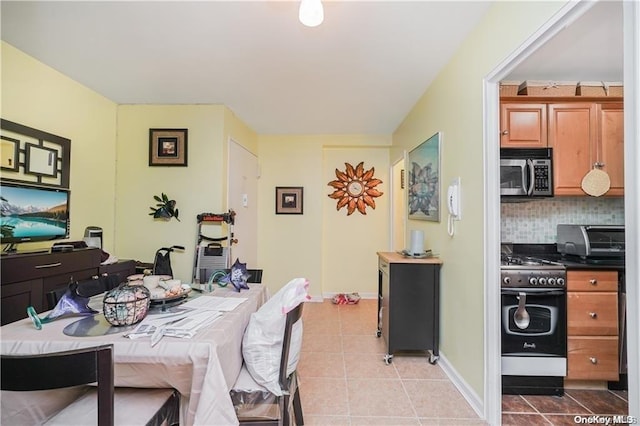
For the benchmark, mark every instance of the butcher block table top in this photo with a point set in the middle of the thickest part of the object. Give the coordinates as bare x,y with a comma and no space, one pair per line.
394,257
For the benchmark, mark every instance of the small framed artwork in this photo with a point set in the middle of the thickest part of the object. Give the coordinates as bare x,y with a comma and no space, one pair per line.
168,147
289,199
40,160
423,186
9,151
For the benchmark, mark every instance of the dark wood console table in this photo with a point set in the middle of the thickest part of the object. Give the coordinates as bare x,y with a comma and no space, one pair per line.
26,278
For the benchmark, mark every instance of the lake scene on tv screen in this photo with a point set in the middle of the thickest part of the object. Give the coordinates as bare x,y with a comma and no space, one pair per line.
33,213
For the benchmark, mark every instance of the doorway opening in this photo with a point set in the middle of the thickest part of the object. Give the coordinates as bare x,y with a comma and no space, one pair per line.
567,15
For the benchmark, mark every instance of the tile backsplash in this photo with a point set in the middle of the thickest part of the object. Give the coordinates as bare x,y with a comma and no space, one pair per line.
535,221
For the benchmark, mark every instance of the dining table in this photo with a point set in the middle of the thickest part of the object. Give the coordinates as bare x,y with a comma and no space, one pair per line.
202,368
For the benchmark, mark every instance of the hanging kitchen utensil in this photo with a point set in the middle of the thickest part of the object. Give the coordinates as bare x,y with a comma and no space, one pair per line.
521,316
596,182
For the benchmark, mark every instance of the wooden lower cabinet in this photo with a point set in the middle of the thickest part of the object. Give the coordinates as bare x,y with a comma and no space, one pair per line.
592,358
26,278
592,313
592,325
17,296
123,268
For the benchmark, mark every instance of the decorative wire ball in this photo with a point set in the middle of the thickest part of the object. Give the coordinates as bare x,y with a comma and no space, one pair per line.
126,304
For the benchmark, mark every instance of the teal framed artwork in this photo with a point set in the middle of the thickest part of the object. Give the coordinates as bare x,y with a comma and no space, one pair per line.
423,186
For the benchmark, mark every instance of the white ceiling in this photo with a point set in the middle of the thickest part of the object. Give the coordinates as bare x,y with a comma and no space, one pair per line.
589,49
360,72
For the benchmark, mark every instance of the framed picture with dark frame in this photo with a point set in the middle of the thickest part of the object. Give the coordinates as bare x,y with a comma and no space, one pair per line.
168,147
40,160
9,159
289,199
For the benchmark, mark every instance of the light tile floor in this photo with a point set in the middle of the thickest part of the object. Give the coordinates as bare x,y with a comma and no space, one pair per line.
344,380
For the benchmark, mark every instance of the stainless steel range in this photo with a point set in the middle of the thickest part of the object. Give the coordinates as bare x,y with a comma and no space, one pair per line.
534,326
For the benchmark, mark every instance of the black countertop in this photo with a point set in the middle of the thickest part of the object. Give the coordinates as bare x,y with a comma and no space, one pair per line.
550,252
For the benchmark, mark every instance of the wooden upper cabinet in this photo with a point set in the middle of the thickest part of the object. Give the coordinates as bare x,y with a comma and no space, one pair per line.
611,144
584,134
573,136
523,125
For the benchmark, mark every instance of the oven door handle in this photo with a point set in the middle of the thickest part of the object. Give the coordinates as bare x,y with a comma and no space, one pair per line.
532,290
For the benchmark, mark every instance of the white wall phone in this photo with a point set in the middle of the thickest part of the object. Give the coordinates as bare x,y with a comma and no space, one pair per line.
453,204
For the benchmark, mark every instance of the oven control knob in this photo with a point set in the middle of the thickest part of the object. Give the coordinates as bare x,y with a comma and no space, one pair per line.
542,281
506,280
533,281
561,281
552,281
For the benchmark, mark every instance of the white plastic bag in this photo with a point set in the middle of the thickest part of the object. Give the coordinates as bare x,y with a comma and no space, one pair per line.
262,340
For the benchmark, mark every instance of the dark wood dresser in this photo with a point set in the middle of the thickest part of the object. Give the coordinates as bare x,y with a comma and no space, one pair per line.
26,278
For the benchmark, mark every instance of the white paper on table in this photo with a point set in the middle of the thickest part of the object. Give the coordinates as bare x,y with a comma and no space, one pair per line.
189,326
181,325
214,303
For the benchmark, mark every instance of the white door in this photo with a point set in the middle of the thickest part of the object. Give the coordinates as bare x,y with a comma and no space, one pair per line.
243,199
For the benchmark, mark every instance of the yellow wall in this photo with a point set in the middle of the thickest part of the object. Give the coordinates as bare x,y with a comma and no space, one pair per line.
38,96
200,187
320,244
295,245
453,104
350,242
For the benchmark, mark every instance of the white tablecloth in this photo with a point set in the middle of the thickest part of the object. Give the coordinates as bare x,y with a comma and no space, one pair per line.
202,368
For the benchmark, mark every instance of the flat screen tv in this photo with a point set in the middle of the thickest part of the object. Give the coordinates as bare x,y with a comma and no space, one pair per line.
32,213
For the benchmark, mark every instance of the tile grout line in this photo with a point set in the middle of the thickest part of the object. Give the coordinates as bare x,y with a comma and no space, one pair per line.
618,396
344,364
413,407
579,403
530,404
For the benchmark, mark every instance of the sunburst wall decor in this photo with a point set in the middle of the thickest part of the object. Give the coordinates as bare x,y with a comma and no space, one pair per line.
355,188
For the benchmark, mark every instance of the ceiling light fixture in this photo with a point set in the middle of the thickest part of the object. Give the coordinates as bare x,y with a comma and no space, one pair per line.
311,12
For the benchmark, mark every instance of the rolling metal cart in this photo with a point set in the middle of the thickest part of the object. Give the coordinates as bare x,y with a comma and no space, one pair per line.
213,253
409,304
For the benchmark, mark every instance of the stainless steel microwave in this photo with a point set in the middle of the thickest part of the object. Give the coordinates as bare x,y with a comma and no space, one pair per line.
526,172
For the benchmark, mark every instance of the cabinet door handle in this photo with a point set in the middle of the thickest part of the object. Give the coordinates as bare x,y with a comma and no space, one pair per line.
593,315
593,360
504,133
48,265
593,281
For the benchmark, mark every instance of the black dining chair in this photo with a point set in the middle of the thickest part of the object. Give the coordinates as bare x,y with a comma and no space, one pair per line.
87,366
87,288
258,406
255,275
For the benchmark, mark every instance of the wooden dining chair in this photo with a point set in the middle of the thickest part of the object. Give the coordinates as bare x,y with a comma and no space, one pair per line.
255,405
86,366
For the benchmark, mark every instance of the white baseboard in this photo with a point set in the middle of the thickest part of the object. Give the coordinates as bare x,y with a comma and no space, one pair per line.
467,391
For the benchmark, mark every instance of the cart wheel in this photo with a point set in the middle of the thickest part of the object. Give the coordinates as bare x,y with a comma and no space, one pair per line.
388,358
378,333
433,359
